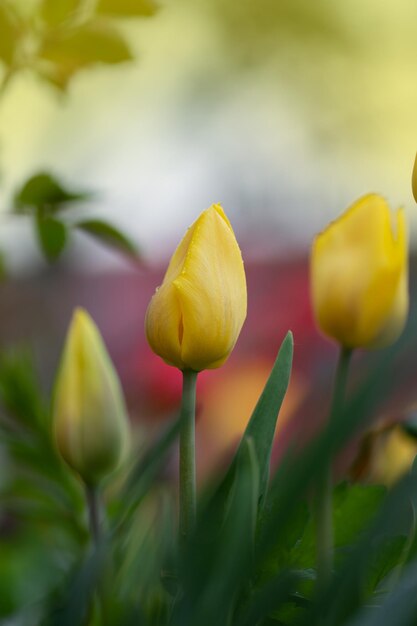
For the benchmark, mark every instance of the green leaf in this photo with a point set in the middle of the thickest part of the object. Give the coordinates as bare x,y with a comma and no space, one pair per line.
44,191
262,424
19,389
54,13
399,607
350,586
354,506
96,42
140,479
52,235
215,566
10,31
388,558
127,8
78,594
109,235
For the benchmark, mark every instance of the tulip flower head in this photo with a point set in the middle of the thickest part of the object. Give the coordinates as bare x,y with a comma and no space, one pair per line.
359,275
195,316
89,416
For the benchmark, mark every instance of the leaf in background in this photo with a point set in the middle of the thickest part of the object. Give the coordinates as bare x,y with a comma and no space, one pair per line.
52,236
109,235
19,389
39,487
349,588
54,12
10,31
93,43
79,592
399,607
127,8
354,506
44,191
144,472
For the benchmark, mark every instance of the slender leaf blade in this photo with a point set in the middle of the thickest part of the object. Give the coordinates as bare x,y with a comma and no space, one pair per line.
110,235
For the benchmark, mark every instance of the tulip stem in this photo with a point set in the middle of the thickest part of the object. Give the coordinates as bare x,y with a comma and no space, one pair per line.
93,506
187,456
324,508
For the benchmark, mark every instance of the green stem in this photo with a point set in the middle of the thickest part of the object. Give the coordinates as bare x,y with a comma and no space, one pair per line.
187,456
93,506
324,509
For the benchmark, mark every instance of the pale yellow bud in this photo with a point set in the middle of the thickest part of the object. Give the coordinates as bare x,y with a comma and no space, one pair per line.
89,415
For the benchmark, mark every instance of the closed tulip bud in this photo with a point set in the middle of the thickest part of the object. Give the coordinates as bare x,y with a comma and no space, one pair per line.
195,316
89,415
414,179
359,275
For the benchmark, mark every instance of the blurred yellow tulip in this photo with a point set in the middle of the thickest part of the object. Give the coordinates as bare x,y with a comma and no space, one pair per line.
359,275
386,454
195,316
89,416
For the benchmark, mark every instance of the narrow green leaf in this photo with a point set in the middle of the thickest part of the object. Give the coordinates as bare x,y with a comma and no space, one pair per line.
52,235
261,427
142,475
44,191
262,424
127,8
216,566
109,235
78,595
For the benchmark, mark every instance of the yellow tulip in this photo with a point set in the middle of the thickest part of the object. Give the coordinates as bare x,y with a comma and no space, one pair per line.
89,416
387,453
414,179
195,316
359,275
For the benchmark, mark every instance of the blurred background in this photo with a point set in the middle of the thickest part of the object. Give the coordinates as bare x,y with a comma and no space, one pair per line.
122,120
141,115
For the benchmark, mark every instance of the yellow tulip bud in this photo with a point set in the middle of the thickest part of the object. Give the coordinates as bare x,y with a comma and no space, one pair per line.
195,316
359,275
414,179
89,415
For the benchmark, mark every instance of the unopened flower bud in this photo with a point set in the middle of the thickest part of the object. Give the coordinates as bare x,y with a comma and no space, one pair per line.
89,415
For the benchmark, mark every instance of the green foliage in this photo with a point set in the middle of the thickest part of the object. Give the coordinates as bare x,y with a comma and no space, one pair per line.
95,42
52,236
47,201
56,39
250,561
43,191
109,235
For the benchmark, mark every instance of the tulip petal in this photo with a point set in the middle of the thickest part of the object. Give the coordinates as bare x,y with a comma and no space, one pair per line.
195,317
357,270
212,292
